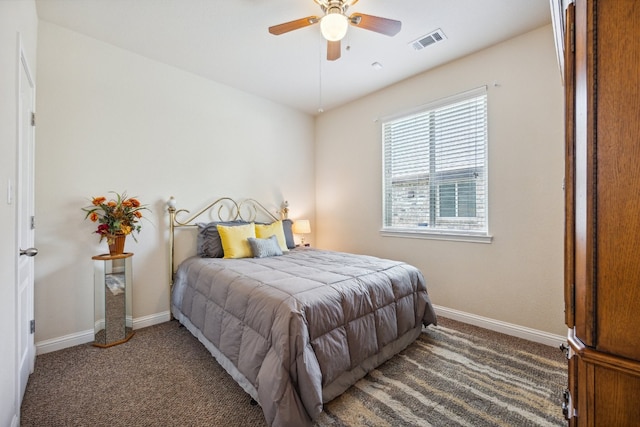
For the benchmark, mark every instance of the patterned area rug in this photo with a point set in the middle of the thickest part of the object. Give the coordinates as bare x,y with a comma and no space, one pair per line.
454,375
458,375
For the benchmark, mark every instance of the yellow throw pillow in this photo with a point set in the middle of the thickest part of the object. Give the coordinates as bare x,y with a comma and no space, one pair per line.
234,240
264,231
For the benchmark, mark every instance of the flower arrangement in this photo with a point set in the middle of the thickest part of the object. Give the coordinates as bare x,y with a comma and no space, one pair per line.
119,215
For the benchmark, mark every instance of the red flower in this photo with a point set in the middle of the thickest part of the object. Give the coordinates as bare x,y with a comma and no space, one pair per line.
102,229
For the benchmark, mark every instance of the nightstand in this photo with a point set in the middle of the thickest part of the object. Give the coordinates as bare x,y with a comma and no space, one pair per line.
113,282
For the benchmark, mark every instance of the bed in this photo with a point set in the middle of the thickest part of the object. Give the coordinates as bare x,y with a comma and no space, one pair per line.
297,328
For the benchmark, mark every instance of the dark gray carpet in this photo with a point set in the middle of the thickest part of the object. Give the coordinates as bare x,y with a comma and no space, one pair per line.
454,375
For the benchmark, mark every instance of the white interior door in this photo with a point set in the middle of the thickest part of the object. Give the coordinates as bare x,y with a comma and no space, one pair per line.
25,347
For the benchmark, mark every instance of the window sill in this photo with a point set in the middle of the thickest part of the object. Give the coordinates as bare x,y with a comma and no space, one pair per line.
431,235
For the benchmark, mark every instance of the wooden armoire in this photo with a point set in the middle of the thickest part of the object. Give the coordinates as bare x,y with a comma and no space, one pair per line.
602,239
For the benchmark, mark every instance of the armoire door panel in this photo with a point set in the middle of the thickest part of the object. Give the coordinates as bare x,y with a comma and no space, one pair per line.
618,177
605,388
583,161
569,179
616,402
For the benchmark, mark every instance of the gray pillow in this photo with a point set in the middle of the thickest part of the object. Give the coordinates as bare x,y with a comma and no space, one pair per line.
288,233
262,248
209,244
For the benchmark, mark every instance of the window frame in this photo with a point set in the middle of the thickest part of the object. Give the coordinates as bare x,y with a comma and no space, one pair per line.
469,235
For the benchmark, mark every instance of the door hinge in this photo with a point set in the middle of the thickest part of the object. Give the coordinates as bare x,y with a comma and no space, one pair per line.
32,326
33,222
567,405
33,119
566,350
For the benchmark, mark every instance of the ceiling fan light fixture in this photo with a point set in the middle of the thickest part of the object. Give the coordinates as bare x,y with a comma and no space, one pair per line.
334,25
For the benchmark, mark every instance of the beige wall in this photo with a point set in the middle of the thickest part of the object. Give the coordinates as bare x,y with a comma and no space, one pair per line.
113,120
516,279
18,27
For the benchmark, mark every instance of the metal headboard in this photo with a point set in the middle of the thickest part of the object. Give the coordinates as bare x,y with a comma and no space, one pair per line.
222,209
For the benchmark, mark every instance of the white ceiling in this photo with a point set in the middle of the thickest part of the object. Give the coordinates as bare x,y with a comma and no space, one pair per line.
227,40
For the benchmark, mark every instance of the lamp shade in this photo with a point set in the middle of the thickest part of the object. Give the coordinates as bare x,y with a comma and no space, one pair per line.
333,26
301,226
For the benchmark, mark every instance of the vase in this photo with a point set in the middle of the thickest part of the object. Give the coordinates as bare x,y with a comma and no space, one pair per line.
116,243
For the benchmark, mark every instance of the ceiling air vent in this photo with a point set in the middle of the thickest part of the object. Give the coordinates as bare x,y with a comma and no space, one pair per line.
431,38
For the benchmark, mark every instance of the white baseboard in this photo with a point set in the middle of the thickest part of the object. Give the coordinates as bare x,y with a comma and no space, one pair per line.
84,337
153,319
502,327
66,341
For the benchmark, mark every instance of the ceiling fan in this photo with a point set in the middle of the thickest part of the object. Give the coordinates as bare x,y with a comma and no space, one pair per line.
335,22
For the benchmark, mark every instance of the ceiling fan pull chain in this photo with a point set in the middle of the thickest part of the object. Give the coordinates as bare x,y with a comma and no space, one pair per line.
320,109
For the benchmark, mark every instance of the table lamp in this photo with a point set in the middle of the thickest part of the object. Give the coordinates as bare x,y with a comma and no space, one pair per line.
302,227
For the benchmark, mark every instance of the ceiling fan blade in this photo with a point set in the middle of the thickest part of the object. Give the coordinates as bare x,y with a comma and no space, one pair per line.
333,50
389,27
293,25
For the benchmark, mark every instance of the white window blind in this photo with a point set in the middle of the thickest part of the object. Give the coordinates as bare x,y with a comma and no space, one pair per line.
435,167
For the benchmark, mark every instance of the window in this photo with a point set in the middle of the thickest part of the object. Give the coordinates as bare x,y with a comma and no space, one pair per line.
435,168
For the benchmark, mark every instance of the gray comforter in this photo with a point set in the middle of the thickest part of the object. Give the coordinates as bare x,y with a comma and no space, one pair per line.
302,327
